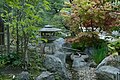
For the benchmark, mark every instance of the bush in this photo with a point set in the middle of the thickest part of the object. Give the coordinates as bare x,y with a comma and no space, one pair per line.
6,77
78,45
10,59
114,47
86,40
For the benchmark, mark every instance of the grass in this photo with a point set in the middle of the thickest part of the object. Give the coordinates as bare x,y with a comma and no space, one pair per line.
99,54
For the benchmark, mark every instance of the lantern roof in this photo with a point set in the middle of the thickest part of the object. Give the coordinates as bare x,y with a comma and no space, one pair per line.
49,28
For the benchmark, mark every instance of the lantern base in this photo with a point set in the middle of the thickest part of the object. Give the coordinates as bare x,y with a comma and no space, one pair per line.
47,48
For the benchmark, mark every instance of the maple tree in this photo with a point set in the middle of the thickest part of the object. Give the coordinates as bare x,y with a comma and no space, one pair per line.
92,15
87,19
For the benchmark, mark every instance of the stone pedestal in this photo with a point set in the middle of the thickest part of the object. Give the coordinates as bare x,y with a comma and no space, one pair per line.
47,48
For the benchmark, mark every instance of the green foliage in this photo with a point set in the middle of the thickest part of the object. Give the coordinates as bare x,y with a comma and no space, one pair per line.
28,16
2,60
1,5
116,28
92,15
25,18
99,54
84,43
116,5
57,77
56,5
88,39
6,77
35,64
52,7
57,20
13,59
114,47
79,45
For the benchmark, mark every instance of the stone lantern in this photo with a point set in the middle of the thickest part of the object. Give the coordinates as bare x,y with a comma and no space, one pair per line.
49,33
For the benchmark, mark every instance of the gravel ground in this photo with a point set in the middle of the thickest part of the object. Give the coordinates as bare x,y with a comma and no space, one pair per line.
86,73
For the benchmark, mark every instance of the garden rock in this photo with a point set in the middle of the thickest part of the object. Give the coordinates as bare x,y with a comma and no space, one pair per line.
78,62
45,76
58,43
89,51
23,76
54,64
108,73
68,53
92,64
85,57
111,61
73,57
108,68
66,47
61,56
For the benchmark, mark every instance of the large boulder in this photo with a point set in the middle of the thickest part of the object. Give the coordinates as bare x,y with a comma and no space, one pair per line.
24,75
92,64
78,62
108,73
58,43
54,64
72,56
45,76
85,57
61,56
111,61
109,68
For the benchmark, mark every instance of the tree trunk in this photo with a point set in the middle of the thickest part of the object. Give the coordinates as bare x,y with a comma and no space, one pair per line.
8,40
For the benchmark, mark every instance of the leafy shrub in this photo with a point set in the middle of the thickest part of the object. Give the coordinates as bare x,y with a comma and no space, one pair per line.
10,59
2,60
6,77
88,39
35,64
114,47
78,45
